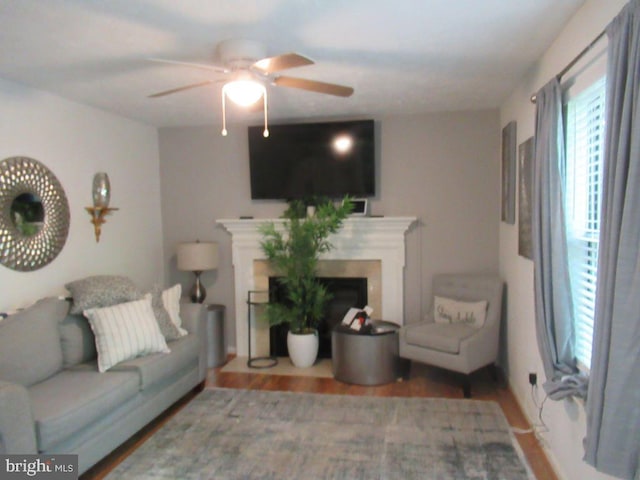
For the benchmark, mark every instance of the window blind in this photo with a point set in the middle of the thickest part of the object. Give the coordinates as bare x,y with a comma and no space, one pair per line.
585,144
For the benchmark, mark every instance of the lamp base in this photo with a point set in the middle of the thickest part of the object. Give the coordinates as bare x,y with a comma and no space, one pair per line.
198,293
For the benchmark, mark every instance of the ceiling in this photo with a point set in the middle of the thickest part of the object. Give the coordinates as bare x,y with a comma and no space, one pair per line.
401,56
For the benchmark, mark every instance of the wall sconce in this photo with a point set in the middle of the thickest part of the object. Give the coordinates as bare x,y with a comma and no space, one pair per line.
197,257
101,193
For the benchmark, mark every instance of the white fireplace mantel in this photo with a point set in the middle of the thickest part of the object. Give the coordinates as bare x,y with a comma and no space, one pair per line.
361,238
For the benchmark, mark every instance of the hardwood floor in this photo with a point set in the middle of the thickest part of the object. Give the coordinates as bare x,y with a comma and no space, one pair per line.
423,381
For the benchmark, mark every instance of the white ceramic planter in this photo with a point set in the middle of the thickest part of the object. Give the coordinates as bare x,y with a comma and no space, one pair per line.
303,348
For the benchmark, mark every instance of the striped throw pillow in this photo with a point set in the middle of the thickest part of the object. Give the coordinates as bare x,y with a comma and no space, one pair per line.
125,331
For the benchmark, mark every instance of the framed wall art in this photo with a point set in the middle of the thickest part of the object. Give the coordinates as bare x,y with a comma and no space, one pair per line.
509,173
525,197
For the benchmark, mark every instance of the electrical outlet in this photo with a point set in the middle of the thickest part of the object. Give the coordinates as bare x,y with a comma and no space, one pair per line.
533,379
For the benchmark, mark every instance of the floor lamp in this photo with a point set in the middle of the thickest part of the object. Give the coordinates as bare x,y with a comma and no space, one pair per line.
197,257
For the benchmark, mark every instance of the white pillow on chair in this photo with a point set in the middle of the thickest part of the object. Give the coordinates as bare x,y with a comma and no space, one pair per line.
448,310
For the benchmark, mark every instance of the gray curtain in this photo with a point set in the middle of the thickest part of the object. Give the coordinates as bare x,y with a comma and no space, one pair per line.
552,287
612,444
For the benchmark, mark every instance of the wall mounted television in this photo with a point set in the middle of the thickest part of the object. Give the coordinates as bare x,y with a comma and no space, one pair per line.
304,160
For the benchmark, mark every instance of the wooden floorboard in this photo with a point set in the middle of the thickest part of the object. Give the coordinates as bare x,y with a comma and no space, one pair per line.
423,381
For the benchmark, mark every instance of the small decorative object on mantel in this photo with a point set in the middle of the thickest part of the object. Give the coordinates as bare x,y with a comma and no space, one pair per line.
101,193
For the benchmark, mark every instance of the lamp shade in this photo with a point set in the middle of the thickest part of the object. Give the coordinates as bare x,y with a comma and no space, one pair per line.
197,256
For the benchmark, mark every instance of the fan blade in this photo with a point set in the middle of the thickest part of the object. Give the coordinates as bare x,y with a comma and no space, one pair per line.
314,86
203,66
180,89
282,62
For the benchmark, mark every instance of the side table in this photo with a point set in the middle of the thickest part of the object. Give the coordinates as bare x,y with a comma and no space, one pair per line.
366,359
252,302
217,352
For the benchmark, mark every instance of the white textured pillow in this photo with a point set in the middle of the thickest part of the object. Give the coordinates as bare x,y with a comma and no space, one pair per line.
447,310
171,301
125,331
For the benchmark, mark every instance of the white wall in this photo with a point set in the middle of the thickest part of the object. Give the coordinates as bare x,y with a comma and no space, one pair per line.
566,419
442,168
75,142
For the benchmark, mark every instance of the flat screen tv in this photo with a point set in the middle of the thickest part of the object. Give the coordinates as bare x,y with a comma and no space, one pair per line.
300,161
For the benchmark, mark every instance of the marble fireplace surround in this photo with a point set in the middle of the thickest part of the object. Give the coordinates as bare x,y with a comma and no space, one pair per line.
370,247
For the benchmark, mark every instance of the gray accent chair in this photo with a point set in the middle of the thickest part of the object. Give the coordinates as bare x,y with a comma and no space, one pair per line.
458,347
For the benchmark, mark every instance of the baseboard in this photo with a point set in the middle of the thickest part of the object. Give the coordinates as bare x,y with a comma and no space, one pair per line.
532,421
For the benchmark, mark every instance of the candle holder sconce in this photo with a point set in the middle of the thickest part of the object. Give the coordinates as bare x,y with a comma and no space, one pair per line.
101,193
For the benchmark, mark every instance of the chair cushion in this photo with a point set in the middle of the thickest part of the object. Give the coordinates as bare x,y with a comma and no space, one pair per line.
156,368
443,337
73,399
30,344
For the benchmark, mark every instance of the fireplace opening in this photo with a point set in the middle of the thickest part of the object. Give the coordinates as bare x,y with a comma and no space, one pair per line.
345,293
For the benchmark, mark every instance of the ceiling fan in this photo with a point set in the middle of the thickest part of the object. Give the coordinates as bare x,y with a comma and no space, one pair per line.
248,70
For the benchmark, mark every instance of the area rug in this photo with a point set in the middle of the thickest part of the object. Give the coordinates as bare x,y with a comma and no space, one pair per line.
248,434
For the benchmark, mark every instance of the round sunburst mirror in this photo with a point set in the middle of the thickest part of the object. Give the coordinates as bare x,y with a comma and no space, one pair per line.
34,214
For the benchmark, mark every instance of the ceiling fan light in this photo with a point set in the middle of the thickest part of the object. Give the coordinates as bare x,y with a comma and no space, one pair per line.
225,93
243,92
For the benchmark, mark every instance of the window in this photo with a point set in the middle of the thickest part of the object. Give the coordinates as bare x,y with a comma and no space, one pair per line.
585,144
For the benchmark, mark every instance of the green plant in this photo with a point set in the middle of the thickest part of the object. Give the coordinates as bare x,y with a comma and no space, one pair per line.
293,253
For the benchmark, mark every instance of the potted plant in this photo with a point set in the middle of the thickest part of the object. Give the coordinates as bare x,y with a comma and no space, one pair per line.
293,252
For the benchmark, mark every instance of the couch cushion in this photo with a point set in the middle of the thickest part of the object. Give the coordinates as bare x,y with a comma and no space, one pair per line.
30,344
125,331
77,340
101,291
438,336
156,368
73,399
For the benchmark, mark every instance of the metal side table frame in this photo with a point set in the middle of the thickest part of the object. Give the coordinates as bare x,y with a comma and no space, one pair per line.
264,361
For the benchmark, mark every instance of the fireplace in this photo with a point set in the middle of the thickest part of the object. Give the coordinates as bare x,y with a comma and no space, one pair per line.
346,292
374,245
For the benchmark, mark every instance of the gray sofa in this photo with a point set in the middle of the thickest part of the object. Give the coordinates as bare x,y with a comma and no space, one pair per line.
54,400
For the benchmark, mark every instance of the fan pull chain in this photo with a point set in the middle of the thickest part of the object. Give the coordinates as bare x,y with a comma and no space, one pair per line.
224,116
224,132
265,134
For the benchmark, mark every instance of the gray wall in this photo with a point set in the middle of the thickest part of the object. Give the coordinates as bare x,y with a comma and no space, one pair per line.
442,168
75,141
566,419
